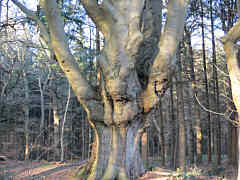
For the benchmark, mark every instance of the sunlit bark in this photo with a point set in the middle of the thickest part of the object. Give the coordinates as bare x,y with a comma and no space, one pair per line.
232,57
117,111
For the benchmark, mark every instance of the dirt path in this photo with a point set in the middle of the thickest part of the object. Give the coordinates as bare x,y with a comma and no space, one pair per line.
38,170
62,171
55,171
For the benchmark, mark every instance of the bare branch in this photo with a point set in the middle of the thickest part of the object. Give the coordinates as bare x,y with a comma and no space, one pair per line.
206,109
233,34
238,8
66,60
34,17
171,37
135,37
96,13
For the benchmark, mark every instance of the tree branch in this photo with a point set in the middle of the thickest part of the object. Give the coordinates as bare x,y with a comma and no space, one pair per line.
135,37
97,14
165,61
86,95
233,34
109,8
238,8
34,17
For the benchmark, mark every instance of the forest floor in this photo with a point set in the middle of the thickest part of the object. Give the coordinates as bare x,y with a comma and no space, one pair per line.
43,170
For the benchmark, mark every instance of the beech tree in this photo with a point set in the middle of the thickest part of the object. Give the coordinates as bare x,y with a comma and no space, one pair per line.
117,108
231,49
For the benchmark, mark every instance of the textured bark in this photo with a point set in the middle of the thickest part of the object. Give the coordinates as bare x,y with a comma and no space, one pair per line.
234,72
232,58
227,19
162,68
117,111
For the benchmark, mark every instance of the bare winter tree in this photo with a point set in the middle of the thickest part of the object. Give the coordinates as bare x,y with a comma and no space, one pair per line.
116,111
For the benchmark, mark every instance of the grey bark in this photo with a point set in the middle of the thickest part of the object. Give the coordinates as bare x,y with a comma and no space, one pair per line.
122,102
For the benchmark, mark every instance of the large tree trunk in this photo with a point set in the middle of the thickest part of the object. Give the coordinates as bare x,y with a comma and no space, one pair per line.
232,57
116,111
232,53
116,152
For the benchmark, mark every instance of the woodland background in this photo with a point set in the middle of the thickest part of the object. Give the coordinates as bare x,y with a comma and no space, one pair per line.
41,119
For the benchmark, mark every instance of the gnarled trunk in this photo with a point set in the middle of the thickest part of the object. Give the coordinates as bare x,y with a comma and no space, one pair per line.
116,110
117,135
116,152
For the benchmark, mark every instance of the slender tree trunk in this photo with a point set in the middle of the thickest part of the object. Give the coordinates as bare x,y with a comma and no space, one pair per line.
176,150
162,137
216,90
191,121
198,130
232,132
173,139
56,125
144,148
27,120
181,116
160,129
233,145
42,86
63,124
209,135
42,107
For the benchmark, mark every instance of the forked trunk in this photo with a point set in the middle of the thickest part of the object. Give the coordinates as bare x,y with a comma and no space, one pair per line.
116,114
117,108
116,152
